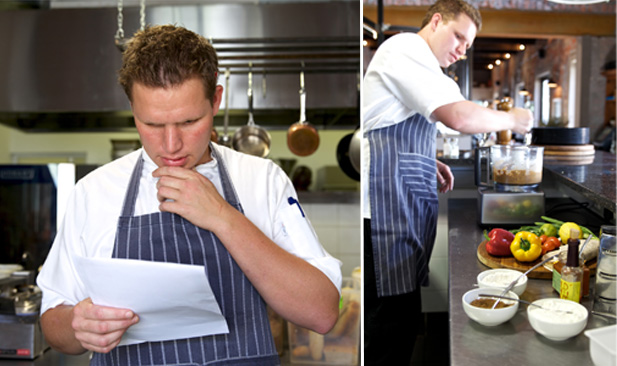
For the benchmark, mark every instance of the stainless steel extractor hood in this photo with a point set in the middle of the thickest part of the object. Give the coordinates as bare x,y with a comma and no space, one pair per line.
58,68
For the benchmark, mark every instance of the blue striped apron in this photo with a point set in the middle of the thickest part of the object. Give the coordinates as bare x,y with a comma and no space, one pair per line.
404,206
167,237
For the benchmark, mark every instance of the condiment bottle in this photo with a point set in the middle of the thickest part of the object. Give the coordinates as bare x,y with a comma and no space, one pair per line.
572,273
558,266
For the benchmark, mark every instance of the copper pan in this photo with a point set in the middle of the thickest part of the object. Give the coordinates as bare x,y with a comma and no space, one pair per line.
302,137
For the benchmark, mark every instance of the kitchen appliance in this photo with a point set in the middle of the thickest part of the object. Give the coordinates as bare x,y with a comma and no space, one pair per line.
510,194
20,329
29,196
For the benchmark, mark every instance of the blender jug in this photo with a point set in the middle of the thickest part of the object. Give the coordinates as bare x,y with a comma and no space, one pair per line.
510,168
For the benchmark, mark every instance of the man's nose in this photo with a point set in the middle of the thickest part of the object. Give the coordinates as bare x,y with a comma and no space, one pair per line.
172,139
461,49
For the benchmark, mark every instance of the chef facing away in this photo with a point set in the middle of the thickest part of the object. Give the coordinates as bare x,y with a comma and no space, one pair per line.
405,91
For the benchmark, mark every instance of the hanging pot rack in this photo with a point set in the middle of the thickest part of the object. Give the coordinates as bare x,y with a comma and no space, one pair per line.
279,55
287,55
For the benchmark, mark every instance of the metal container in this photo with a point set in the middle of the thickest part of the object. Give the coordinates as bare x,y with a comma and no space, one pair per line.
605,290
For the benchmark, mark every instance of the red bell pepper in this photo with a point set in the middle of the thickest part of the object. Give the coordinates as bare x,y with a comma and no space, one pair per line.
499,242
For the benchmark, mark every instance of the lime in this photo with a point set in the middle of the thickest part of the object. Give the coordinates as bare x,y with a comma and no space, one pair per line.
548,230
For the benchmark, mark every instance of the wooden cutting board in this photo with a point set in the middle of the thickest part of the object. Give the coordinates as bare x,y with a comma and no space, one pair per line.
569,150
511,263
585,147
568,160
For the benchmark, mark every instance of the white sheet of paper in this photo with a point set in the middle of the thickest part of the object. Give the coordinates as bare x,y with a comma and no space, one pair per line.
173,301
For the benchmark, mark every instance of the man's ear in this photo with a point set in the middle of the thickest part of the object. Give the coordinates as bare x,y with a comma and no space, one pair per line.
435,19
217,98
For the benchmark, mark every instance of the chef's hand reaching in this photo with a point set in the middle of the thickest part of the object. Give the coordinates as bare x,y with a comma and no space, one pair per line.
191,195
100,328
523,120
445,178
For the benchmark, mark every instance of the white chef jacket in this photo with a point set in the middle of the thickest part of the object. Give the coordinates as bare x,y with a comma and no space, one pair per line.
89,226
402,79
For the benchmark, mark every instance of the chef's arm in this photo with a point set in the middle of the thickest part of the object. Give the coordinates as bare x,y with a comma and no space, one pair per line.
56,326
294,288
75,329
469,117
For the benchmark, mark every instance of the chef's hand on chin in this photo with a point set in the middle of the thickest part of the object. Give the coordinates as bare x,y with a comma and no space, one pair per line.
100,328
191,195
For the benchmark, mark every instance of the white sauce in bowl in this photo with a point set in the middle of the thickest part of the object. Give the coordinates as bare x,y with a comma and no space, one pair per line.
555,312
499,279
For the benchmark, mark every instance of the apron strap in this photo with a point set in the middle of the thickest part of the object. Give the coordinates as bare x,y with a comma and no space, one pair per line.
229,192
128,207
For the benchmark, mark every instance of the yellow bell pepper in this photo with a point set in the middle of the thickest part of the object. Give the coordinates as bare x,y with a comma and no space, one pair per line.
526,246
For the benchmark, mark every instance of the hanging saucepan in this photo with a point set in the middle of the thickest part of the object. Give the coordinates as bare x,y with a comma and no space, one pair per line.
355,146
344,161
354,149
225,139
252,139
302,137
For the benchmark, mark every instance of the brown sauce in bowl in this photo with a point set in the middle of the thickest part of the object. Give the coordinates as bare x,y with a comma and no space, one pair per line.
487,303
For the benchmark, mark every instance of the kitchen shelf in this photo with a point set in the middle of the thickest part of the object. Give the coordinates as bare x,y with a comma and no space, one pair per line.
289,55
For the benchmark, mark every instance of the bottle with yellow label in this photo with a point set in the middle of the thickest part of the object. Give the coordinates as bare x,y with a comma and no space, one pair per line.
572,273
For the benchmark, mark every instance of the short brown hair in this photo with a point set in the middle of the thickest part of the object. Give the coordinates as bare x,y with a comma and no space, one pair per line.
450,9
166,55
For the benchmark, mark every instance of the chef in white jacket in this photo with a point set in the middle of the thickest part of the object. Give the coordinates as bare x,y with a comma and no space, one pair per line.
183,199
405,91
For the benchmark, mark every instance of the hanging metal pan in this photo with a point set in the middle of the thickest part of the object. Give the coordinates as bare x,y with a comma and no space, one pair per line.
302,137
355,146
343,158
252,139
225,139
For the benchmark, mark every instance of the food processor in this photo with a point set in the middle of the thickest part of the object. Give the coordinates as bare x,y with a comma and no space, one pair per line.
510,193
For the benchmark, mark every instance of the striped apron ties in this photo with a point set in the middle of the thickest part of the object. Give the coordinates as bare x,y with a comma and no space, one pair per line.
404,206
167,237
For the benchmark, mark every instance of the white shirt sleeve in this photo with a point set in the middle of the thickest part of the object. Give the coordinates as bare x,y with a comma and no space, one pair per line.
284,221
294,233
58,279
404,78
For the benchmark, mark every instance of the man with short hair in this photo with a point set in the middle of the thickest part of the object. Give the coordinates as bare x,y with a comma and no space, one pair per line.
183,199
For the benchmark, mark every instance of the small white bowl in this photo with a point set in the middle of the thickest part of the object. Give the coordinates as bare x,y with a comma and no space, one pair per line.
555,324
603,345
500,278
489,317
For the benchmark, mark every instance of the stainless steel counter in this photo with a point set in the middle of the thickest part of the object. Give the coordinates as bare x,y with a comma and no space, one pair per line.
50,358
511,343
